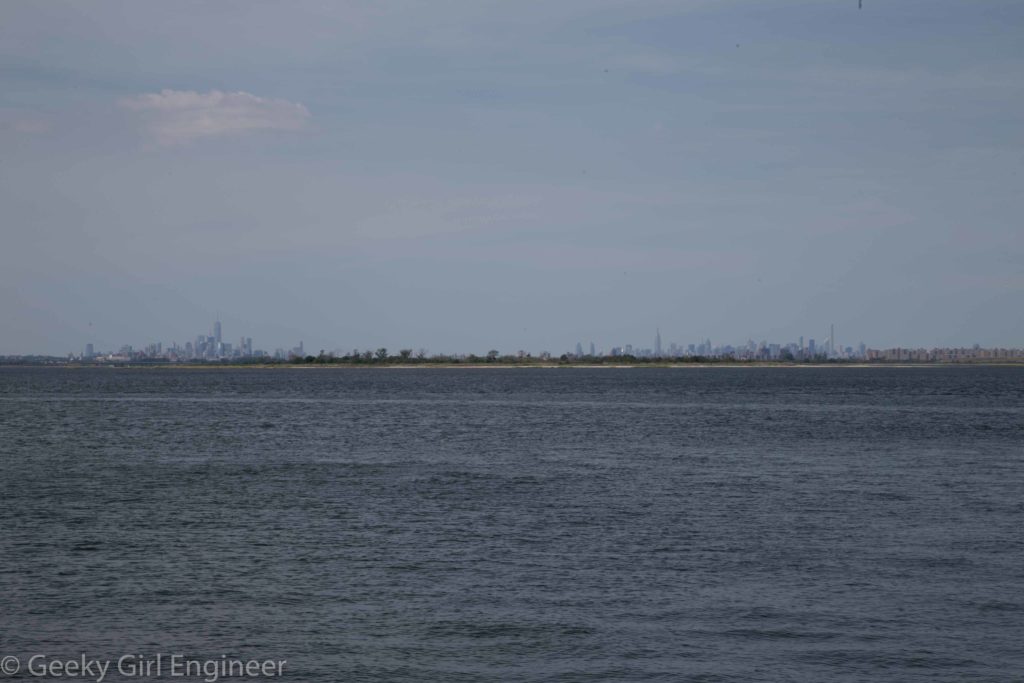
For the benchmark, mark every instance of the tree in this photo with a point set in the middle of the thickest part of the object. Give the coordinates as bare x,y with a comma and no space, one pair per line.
405,353
492,355
382,353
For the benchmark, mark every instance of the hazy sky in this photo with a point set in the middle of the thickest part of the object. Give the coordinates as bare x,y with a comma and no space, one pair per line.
465,175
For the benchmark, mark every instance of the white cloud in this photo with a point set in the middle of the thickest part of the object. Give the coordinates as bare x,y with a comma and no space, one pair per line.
176,116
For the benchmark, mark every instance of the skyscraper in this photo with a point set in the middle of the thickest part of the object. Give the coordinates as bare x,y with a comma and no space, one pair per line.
216,332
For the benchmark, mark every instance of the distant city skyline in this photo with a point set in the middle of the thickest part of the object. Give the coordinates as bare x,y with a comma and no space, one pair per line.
214,344
213,347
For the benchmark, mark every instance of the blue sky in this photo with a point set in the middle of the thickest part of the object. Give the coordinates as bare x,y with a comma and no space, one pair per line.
461,176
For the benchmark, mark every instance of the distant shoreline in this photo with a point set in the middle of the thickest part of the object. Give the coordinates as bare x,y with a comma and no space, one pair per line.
493,366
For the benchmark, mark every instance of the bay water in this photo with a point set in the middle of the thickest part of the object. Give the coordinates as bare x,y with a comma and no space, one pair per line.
648,524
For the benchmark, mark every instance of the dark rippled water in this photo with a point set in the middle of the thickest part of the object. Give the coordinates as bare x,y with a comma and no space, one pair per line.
520,525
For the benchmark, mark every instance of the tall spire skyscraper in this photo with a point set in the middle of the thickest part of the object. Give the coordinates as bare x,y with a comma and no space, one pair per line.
216,330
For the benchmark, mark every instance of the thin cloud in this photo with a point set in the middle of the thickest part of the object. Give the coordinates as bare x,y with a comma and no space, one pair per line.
177,116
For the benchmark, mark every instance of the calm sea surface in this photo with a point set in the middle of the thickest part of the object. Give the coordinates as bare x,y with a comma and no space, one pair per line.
715,524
